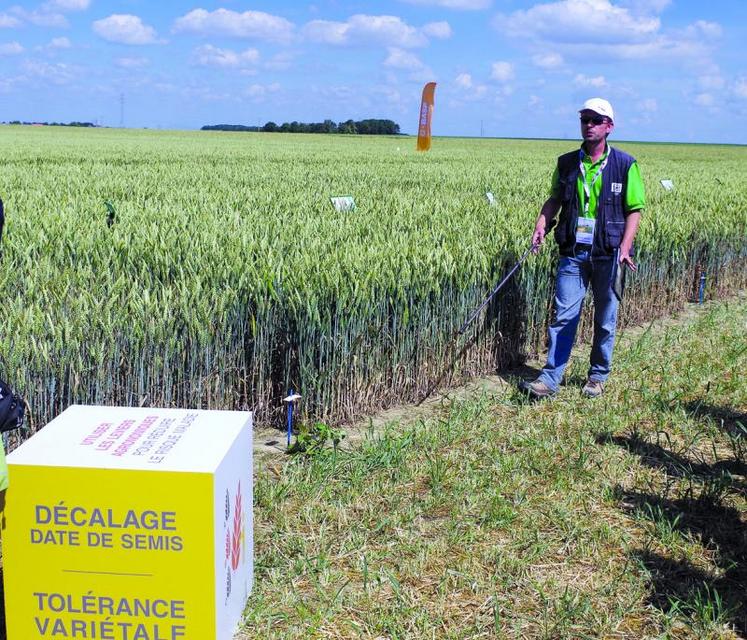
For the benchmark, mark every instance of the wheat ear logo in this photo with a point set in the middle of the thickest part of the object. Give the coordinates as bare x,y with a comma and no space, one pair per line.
238,533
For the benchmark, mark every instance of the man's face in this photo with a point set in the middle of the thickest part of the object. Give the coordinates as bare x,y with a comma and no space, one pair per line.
594,127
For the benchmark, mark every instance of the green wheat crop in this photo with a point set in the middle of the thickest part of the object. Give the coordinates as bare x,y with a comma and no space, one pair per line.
226,278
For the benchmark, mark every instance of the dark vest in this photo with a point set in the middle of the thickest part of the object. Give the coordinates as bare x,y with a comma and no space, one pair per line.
610,223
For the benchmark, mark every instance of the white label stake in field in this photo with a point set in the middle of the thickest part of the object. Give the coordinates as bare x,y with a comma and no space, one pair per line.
667,184
490,197
343,203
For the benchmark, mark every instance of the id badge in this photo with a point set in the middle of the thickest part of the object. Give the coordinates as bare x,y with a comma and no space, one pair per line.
585,230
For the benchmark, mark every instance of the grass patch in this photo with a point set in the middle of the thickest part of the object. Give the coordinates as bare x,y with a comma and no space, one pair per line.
621,517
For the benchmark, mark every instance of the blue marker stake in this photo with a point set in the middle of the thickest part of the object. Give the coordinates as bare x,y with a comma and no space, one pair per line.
701,291
290,400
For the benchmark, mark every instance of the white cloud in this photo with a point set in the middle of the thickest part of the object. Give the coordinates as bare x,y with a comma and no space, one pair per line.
407,61
650,105
11,49
210,56
740,88
646,7
705,100
58,74
463,81
702,28
8,22
68,5
200,93
426,74
259,91
597,82
48,15
503,92
712,81
502,71
391,95
55,44
280,61
468,89
137,62
589,21
660,48
328,32
401,59
548,60
41,18
465,5
7,84
365,29
338,92
534,101
59,43
440,30
224,22
624,30
125,29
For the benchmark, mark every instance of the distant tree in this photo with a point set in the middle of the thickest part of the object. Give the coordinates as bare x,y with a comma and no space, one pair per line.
55,124
377,127
347,127
270,127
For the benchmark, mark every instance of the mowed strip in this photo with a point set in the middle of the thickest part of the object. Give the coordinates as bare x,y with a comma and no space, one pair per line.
622,517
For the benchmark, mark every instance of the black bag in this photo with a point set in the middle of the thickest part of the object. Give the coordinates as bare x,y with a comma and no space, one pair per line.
12,409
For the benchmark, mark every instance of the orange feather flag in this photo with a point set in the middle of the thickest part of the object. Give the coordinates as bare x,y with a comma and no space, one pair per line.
426,115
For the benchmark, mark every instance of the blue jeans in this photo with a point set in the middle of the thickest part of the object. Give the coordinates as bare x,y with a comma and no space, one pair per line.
575,273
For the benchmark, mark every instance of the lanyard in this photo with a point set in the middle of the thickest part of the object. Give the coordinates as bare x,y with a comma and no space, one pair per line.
595,177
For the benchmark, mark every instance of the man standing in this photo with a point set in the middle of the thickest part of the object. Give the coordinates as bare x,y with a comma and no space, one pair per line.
599,193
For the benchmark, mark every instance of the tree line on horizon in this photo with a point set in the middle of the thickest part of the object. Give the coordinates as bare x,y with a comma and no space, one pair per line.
371,126
52,124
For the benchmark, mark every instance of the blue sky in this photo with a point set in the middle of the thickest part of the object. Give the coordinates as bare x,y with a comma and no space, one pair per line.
673,70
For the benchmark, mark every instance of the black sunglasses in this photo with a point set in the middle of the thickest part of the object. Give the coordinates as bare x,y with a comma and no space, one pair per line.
596,120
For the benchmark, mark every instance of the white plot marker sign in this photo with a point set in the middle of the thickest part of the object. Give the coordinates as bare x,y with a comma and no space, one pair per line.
343,203
490,197
667,184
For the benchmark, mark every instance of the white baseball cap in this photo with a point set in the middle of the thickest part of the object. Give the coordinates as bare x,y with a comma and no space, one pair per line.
600,106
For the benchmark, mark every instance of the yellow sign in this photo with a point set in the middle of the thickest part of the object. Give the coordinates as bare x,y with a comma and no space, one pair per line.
130,524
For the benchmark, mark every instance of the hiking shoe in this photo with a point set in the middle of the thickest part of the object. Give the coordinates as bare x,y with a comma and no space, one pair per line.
536,389
593,389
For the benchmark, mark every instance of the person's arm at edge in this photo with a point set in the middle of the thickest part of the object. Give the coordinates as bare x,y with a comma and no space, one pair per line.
544,222
547,213
631,228
635,201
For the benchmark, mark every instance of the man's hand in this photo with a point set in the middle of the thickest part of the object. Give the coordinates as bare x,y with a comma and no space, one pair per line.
624,258
544,221
538,237
631,227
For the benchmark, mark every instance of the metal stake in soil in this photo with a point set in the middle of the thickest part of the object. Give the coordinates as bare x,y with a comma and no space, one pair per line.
290,400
